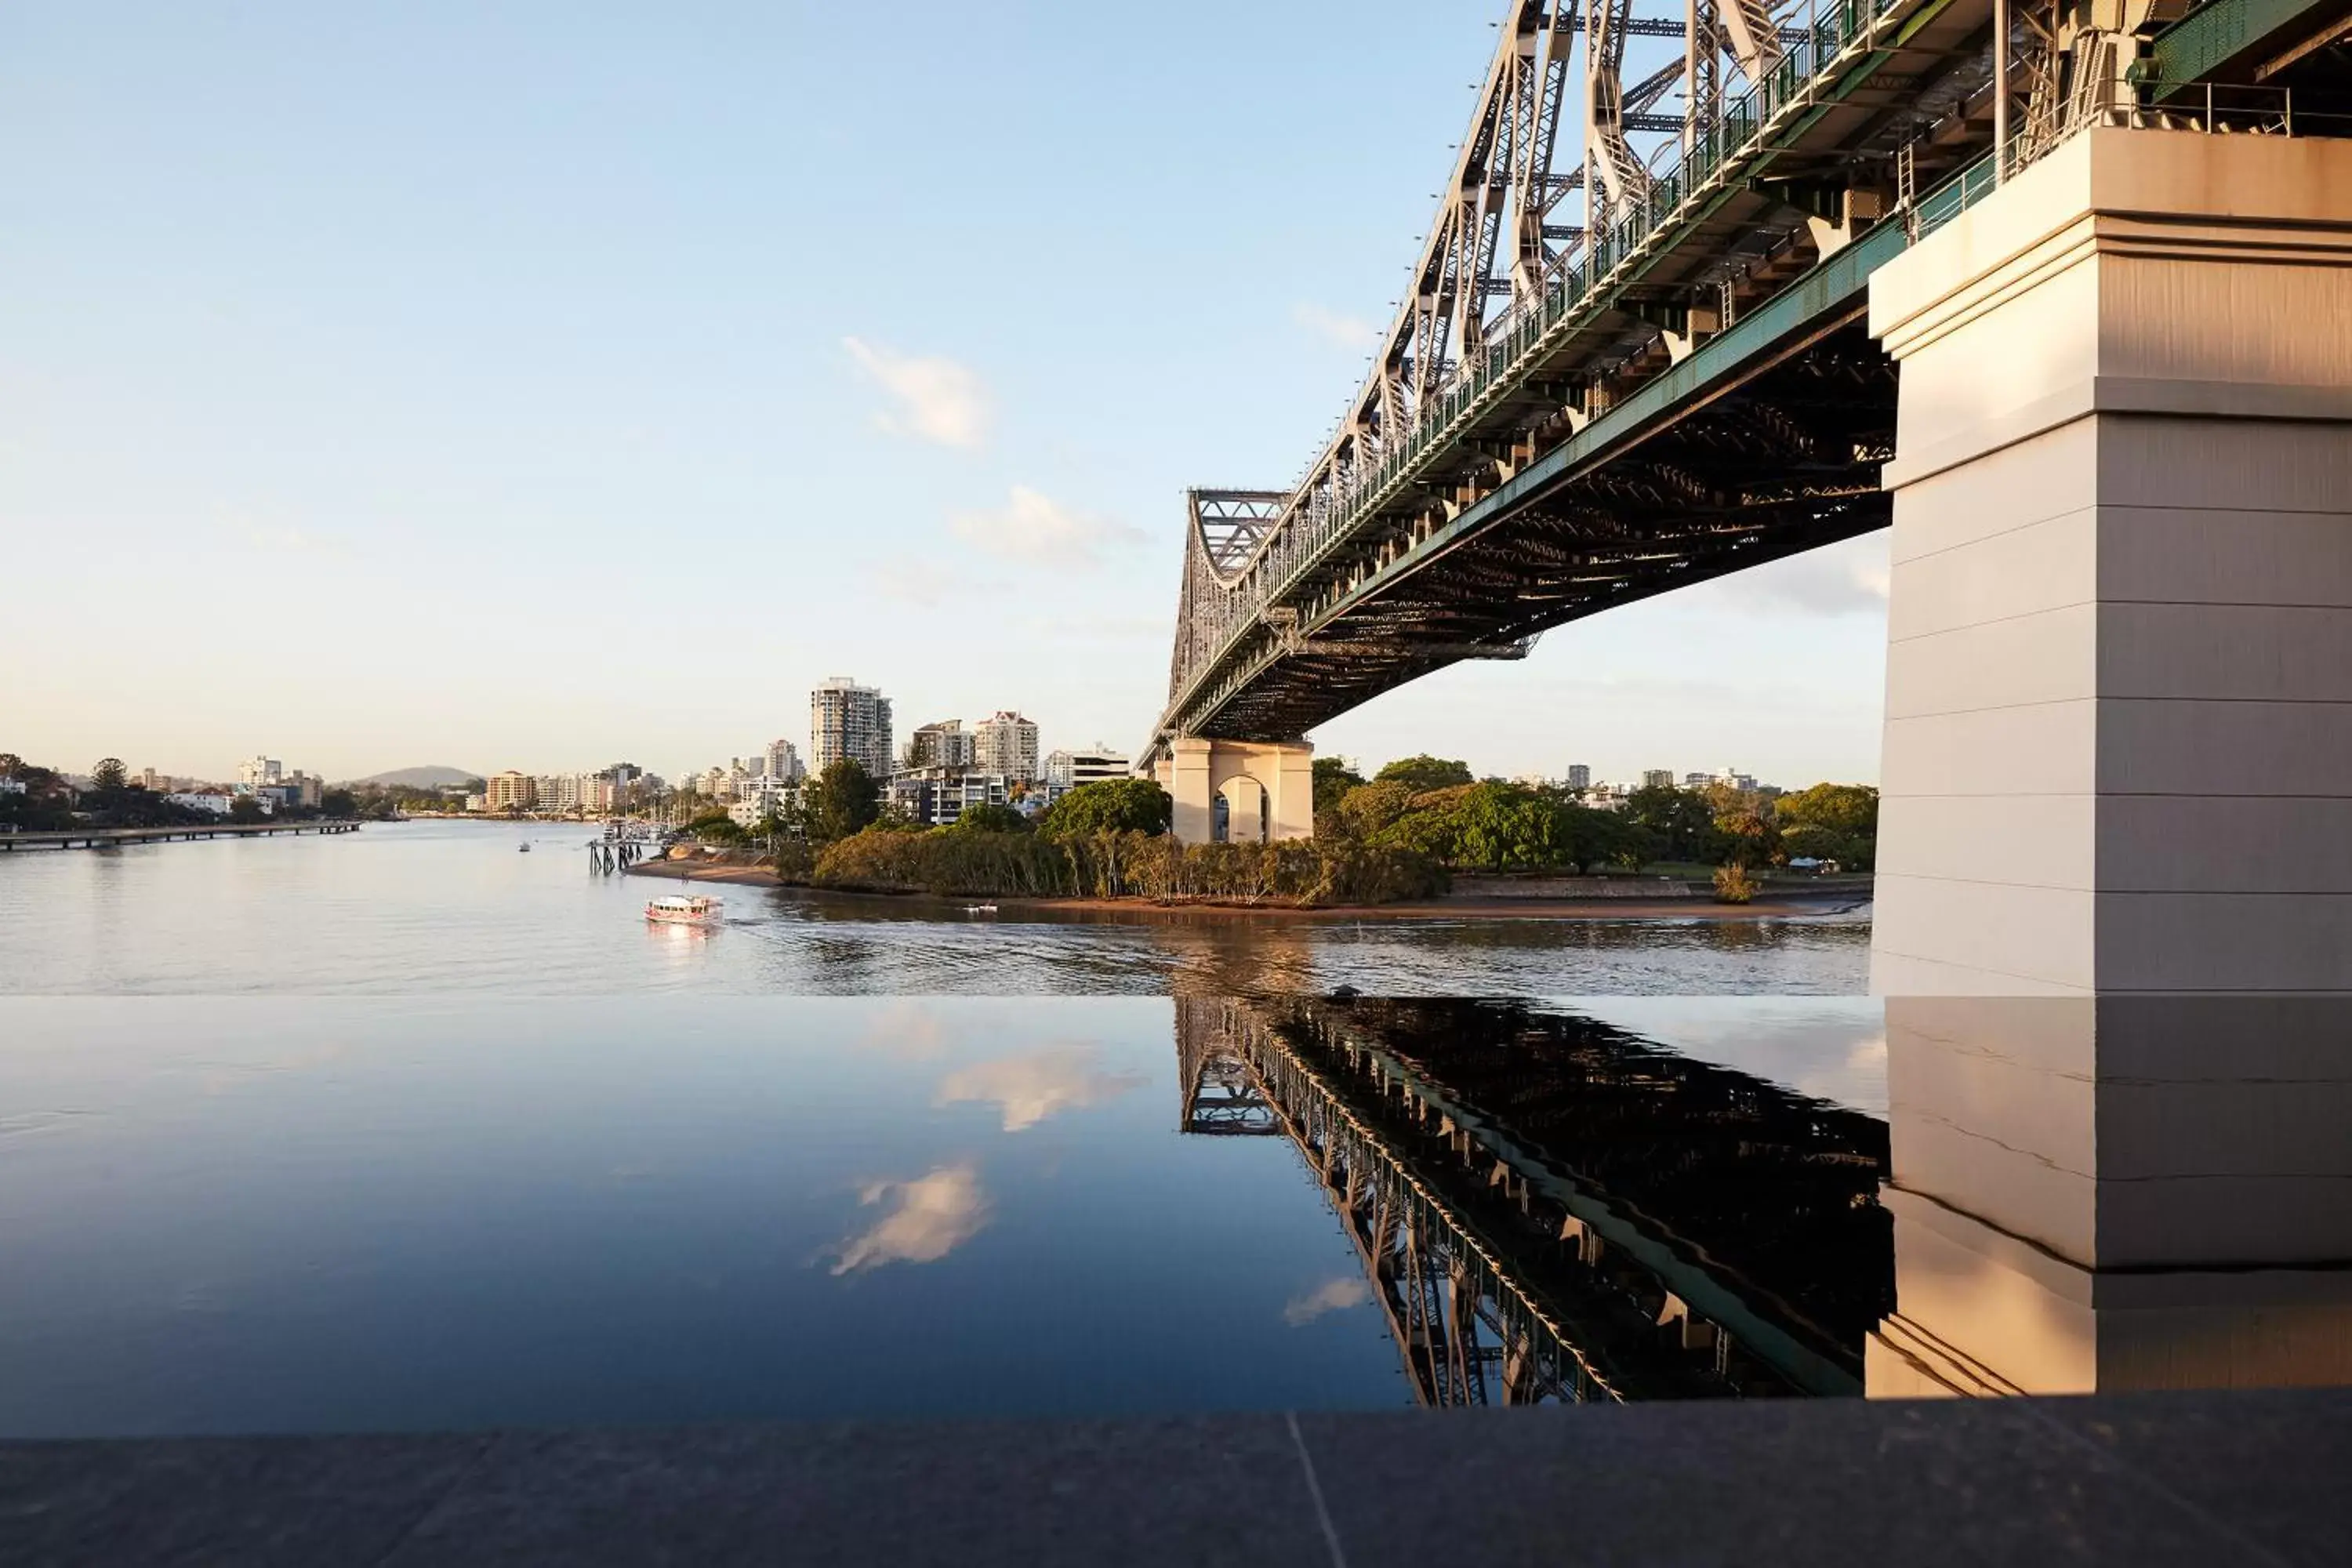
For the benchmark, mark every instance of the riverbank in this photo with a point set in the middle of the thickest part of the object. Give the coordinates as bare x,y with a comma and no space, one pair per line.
1775,904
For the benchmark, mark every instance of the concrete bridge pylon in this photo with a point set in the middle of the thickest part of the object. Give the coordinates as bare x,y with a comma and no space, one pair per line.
2119,734
1238,792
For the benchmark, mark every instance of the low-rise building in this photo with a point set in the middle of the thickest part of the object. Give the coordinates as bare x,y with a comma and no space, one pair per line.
204,800
937,796
1066,770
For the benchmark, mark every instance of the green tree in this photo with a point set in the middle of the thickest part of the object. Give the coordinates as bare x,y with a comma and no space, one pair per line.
109,774
338,802
245,808
1333,779
844,800
1424,773
1109,806
1370,809
1842,808
989,817
1830,822
1680,821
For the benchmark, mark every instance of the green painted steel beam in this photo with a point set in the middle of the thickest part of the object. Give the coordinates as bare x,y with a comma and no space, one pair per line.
2217,35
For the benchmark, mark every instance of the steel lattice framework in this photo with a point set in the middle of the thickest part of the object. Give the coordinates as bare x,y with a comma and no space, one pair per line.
1639,184
1502,1282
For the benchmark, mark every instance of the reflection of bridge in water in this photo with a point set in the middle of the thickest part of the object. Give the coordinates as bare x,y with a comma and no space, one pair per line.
1645,1226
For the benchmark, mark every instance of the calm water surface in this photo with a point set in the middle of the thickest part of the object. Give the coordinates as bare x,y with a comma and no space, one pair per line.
303,1213
433,907
409,1129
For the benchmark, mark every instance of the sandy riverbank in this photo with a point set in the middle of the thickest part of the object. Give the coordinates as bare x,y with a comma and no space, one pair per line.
1774,906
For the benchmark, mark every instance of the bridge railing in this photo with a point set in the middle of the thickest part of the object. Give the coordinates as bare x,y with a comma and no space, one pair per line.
1330,507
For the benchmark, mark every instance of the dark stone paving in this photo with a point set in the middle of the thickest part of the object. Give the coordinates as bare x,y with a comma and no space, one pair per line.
2146,1480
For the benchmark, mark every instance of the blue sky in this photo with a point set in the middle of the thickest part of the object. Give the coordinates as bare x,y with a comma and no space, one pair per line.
538,384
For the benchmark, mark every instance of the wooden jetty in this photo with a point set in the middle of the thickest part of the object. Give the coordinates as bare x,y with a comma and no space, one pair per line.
110,838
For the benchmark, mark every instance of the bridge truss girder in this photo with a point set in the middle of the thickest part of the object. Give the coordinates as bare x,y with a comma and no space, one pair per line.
1550,124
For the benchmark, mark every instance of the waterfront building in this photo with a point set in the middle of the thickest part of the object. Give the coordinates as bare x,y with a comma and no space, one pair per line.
1658,778
936,797
1580,775
508,790
943,744
849,721
1005,743
1066,770
260,771
598,793
759,797
217,803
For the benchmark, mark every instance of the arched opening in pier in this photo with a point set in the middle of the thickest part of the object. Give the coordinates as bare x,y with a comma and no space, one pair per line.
1238,814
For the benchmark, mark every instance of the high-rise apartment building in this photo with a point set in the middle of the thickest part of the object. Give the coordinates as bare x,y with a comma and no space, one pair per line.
260,771
944,744
1005,744
1657,778
1069,770
510,789
783,762
1580,775
849,721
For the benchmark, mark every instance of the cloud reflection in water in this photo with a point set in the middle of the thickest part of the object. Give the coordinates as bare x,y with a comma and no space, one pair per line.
1037,1084
928,1217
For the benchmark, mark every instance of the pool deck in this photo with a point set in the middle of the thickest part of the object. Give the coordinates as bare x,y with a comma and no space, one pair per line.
2143,1479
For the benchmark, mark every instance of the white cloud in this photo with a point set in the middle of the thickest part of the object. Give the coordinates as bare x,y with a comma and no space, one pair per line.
1339,331
938,399
1034,527
1849,578
1037,1084
1331,1296
929,1218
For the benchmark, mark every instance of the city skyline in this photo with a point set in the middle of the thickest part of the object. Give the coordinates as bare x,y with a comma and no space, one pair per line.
476,437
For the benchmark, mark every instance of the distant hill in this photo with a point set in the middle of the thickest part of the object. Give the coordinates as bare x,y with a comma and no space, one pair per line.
419,778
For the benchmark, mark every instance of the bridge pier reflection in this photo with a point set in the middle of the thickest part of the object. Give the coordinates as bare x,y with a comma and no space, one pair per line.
2070,1195
2131,1193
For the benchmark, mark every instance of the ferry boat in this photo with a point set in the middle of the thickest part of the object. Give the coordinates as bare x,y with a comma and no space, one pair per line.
685,912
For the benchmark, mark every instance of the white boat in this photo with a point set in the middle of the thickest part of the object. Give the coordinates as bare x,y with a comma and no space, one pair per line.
979,909
685,912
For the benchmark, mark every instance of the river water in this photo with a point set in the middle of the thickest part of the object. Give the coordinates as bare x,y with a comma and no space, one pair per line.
409,1129
435,907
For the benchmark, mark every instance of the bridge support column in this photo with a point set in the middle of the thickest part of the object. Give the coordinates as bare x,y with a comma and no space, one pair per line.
2118,741
1242,792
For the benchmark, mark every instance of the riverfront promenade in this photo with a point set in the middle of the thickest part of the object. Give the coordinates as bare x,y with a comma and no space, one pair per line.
114,838
2148,1479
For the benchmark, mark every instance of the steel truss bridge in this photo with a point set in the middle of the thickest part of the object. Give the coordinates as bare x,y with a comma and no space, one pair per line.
1507,1272
1632,355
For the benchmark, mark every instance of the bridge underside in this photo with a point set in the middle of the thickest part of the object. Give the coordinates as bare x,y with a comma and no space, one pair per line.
1784,460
